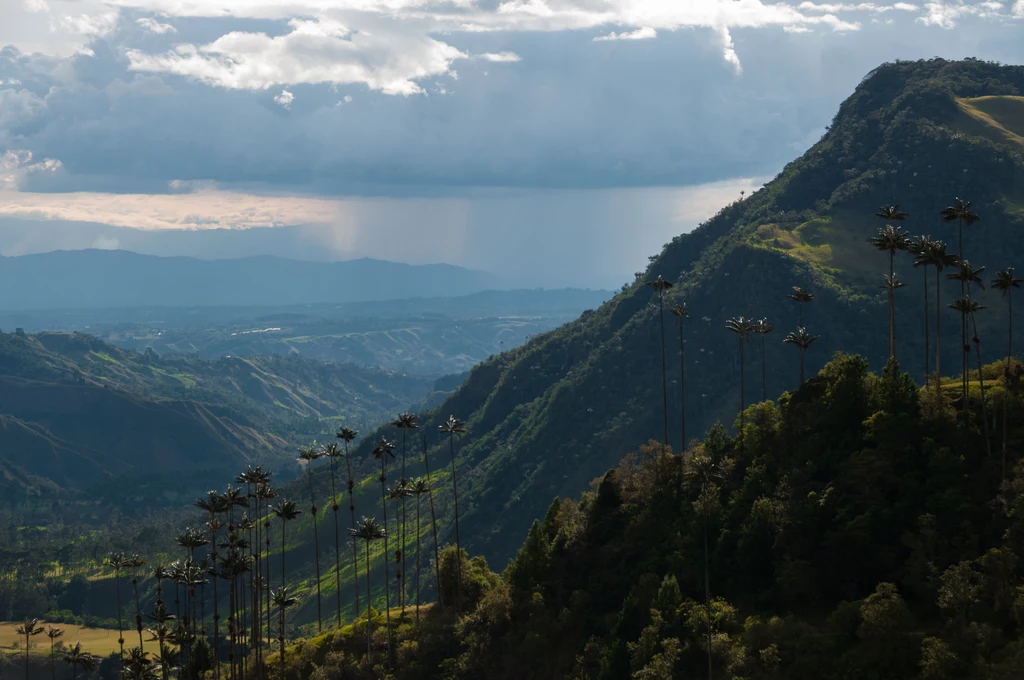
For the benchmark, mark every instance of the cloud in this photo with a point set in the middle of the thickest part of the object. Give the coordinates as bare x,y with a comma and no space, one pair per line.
507,57
728,49
945,15
1018,9
17,165
314,51
154,26
644,33
285,99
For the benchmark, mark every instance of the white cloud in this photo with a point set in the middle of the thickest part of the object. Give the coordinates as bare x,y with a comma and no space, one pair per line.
644,33
507,57
313,52
945,15
835,8
285,99
16,165
796,29
1018,9
154,26
729,49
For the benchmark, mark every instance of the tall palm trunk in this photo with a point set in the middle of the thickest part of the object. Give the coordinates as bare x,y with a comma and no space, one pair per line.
682,388
802,367
743,394
337,542
664,379
707,579
892,308
352,513
927,344
402,574
433,521
1006,374
216,605
266,586
981,385
138,608
938,331
316,548
387,570
764,374
369,603
419,531
964,347
280,635
120,621
458,536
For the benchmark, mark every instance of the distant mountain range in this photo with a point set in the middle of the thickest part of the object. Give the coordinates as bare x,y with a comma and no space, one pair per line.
119,278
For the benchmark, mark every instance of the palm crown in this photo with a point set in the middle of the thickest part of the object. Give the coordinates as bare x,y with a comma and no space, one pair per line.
384,449
287,510
369,529
800,295
1005,280
800,337
406,421
659,285
892,213
965,273
741,326
680,311
308,454
891,239
959,211
347,435
453,426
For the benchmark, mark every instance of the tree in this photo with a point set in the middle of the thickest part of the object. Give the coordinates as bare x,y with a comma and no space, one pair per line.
433,518
28,630
681,313
742,328
802,340
961,213
801,297
891,239
970,308
53,633
136,563
922,248
75,657
706,471
399,493
660,286
453,427
307,455
139,666
214,504
164,636
418,488
966,275
934,253
381,452
1005,282
891,283
404,422
368,530
117,562
286,511
332,452
348,435
763,328
282,600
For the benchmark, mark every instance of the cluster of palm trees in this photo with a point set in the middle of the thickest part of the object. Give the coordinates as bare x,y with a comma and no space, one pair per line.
237,537
73,656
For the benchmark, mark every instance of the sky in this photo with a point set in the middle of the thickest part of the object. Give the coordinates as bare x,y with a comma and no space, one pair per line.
556,142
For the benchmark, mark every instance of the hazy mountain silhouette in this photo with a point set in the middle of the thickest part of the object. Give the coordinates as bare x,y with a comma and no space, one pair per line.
119,278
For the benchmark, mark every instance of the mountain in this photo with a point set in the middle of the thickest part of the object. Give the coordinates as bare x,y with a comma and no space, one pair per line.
118,278
75,411
547,417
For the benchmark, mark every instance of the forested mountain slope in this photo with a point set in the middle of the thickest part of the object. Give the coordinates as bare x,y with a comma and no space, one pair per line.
547,417
75,411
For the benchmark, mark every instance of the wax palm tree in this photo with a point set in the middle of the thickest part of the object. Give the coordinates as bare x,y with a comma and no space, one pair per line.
75,657
307,456
29,629
801,297
163,635
400,492
892,213
970,308
659,286
118,562
282,600
922,248
266,493
139,666
212,505
453,427
135,562
53,633
1005,282
742,327
348,436
433,518
961,213
332,452
418,488
891,239
681,313
404,422
966,275
892,283
368,530
706,472
939,259
286,511
382,452
763,328
802,340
